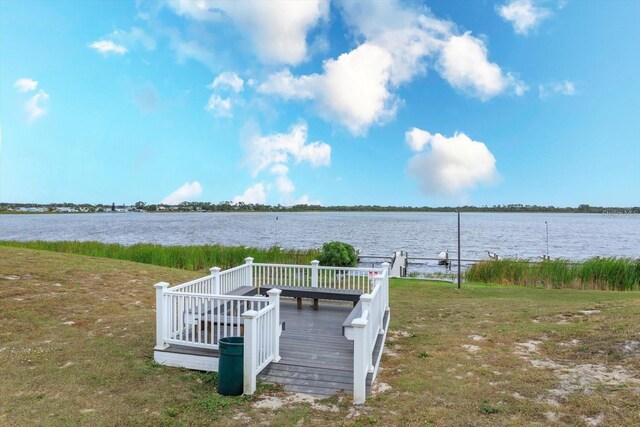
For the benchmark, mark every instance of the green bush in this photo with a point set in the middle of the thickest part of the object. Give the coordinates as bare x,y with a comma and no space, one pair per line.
338,254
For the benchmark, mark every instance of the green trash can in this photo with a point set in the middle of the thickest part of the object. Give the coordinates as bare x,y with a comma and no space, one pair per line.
231,366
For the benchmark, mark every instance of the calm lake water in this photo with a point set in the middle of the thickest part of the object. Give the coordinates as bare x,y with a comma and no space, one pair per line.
574,236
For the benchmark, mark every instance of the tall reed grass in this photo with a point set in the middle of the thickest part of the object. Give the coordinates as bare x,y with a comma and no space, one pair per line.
185,257
615,274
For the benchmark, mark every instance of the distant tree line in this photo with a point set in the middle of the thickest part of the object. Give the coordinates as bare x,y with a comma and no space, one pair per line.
227,206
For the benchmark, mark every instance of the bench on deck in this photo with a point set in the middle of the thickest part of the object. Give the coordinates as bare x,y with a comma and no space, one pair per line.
314,293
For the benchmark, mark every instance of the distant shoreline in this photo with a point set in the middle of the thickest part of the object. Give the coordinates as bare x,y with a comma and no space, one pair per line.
202,207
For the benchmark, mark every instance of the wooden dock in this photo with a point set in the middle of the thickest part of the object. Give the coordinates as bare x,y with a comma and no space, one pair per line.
399,265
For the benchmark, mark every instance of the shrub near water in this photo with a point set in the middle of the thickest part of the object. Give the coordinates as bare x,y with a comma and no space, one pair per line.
338,254
619,274
185,257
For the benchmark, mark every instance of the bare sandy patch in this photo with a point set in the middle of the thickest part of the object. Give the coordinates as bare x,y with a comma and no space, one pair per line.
574,377
389,352
631,348
477,337
594,421
527,348
471,348
277,402
380,387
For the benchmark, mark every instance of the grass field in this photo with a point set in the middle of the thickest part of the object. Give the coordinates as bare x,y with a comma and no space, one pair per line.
607,274
77,336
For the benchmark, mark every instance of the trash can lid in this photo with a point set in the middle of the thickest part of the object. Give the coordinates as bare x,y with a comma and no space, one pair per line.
232,341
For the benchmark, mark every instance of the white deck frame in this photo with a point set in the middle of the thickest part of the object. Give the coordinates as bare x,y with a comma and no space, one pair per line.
183,313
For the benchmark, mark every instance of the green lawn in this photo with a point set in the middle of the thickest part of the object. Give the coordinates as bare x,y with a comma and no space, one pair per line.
77,334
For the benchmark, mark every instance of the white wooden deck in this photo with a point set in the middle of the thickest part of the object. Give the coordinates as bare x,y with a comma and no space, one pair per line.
335,347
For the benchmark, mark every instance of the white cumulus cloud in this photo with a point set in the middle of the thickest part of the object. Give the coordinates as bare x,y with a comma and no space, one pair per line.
228,79
186,193
353,90
398,43
452,165
278,149
277,28
254,195
219,106
36,106
107,47
306,200
25,85
285,186
273,153
565,87
524,15
464,64
416,139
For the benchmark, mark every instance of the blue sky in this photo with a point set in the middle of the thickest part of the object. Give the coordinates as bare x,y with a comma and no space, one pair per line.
394,103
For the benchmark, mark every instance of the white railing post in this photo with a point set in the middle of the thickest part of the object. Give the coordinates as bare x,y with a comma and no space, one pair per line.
249,262
366,300
161,313
274,299
385,265
215,272
359,364
250,351
314,273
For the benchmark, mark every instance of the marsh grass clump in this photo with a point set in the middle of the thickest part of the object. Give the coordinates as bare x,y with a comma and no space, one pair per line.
185,257
614,274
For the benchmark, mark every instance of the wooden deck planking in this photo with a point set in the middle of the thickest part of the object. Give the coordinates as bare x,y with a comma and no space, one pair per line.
315,358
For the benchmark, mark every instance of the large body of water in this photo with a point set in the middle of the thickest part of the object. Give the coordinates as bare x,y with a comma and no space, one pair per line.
522,235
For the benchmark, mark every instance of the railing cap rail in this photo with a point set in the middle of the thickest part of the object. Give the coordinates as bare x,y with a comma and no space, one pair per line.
189,283
220,297
232,269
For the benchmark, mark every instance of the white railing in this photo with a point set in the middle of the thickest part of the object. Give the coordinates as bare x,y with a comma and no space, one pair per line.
315,276
222,282
366,330
199,319
261,339
203,285
236,277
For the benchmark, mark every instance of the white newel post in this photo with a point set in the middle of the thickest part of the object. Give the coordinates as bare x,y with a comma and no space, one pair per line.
161,312
249,262
250,351
215,272
314,273
274,299
366,299
359,365
385,265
